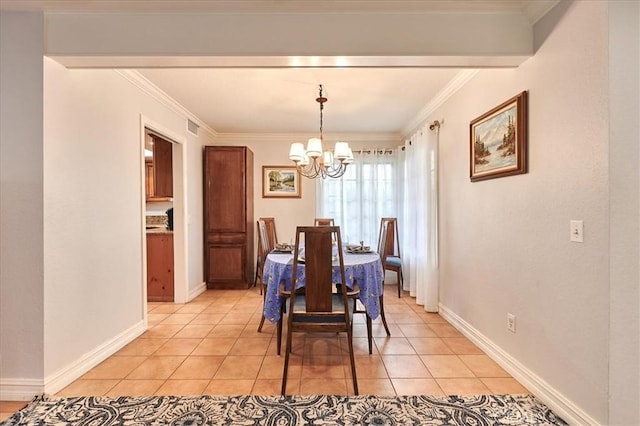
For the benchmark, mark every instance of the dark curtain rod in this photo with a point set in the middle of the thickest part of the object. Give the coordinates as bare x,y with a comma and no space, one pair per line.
433,126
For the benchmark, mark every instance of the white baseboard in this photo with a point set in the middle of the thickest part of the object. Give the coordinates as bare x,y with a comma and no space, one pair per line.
20,389
197,291
26,389
559,403
63,377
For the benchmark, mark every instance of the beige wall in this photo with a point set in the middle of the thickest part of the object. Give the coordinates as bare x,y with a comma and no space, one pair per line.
504,243
624,184
93,213
21,204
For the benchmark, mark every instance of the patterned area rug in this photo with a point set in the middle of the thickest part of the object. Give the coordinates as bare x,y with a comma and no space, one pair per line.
290,410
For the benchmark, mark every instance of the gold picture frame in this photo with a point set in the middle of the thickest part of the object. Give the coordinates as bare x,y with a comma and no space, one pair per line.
498,141
281,182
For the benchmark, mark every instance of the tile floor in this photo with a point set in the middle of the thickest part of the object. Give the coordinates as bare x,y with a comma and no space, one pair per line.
211,346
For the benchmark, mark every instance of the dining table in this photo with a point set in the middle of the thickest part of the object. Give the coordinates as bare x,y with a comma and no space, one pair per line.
363,268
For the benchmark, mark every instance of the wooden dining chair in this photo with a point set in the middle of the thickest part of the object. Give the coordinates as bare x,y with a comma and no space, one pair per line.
263,250
391,249
321,308
362,310
324,221
270,224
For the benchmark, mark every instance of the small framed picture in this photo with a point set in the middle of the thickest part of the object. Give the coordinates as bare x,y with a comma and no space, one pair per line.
281,182
498,140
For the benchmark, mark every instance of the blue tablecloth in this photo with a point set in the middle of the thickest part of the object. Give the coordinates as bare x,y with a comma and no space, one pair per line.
365,269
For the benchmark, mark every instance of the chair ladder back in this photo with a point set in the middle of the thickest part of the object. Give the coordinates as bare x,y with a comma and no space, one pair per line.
392,247
389,248
263,250
270,222
264,245
318,270
384,238
324,221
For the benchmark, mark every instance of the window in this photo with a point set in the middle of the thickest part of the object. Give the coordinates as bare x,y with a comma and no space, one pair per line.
363,195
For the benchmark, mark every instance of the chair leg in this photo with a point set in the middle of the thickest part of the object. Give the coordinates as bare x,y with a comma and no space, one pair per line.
286,362
263,300
279,330
399,279
255,279
279,336
353,361
384,319
370,334
368,322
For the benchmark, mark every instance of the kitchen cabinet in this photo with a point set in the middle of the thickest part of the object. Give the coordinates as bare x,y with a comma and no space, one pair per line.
160,266
159,170
228,216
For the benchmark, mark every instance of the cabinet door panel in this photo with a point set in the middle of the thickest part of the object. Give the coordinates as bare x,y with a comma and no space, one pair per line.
162,167
227,238
225,190
148,179
226,263
160,268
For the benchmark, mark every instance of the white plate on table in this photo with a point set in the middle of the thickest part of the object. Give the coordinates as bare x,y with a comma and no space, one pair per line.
301,259
283,248
359,249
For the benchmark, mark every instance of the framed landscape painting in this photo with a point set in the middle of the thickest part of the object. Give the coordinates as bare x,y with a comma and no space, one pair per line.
280,182
498,140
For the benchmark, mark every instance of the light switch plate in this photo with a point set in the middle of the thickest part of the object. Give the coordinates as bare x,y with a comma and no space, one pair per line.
577,231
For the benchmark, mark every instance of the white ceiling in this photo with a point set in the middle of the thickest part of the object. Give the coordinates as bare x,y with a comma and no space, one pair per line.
362,100
279,100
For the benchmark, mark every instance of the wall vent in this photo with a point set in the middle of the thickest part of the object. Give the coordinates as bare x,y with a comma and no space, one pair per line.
192,127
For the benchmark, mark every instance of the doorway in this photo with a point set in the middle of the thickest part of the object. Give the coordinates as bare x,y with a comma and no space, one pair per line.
163,214
158,162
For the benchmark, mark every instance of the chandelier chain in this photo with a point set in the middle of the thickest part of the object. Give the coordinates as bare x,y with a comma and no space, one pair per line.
321,100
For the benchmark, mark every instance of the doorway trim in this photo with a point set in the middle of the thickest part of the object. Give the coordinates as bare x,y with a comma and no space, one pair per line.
181,280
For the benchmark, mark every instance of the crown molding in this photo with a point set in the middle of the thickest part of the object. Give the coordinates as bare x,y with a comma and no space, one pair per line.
535,10
449,90
158,94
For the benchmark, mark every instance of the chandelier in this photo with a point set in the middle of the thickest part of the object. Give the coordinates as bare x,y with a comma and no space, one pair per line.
314,161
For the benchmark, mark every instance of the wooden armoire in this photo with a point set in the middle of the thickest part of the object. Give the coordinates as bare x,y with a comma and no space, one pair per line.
228,216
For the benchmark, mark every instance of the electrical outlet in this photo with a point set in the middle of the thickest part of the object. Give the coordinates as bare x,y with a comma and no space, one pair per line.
511,322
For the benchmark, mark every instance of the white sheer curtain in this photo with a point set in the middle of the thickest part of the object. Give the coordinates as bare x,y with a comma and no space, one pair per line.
363,195
419,217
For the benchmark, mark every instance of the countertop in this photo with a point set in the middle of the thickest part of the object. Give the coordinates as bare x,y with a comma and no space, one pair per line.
158,230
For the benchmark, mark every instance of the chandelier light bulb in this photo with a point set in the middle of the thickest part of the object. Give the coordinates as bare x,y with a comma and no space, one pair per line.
296,153
349,158
341,150
314,147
